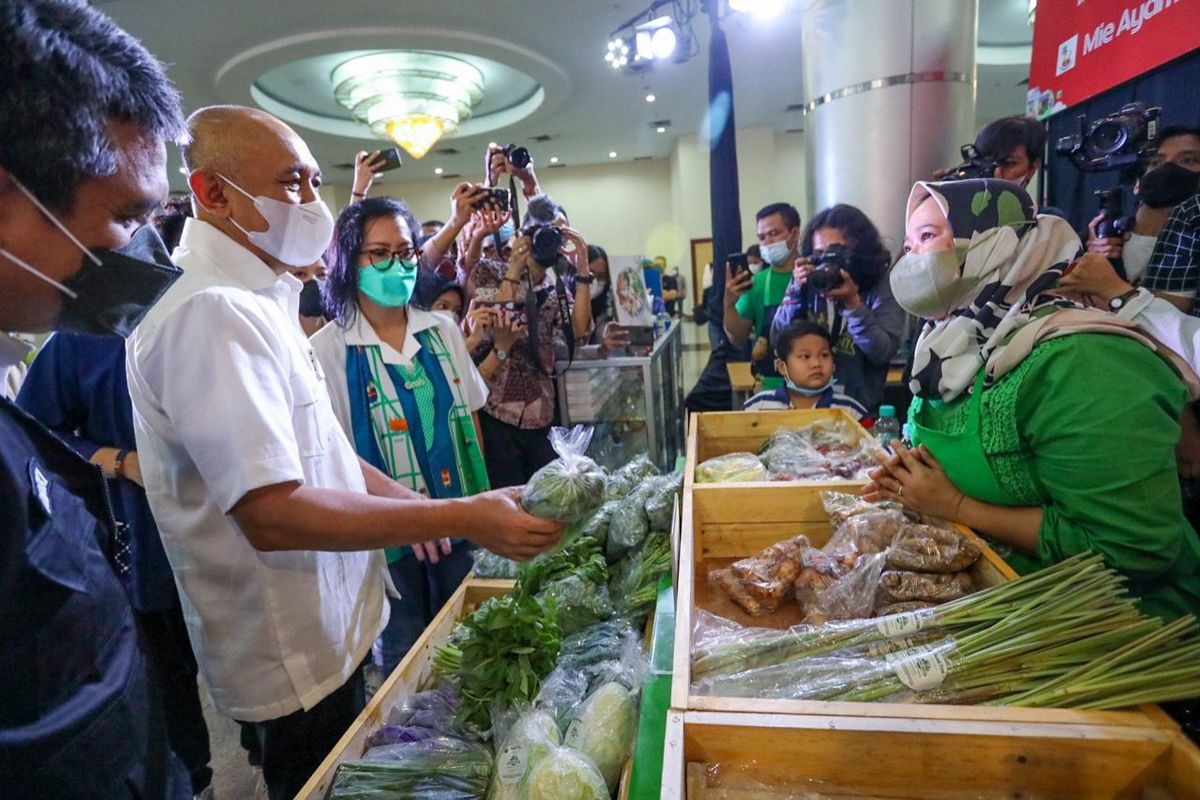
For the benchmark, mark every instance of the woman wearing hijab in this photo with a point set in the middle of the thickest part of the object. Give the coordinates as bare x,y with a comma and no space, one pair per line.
1049,427
405,391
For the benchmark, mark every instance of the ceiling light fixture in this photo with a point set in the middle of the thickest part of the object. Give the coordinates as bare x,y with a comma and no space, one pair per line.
612,154
618,53
413,98
553,159
761,8
660,129
438,171
650,98
656,38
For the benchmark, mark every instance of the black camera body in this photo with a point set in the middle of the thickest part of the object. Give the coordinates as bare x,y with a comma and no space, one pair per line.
974,165
495,197
517,156
545,242
828,265
1122,140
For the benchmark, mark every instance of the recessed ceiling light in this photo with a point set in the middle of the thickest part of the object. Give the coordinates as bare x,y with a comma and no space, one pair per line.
438,171
492,144
613,154
650,98
661,129
553,159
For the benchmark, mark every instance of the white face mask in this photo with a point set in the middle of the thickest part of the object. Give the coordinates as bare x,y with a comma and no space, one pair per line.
597,287
296,234
1136,256
929,284
775,253
755,267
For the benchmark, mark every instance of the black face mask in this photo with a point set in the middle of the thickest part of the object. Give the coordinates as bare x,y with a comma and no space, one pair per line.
311,302
112,297
114,289
1167,185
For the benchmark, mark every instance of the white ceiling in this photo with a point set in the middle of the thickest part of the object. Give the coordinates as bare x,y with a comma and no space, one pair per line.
215,49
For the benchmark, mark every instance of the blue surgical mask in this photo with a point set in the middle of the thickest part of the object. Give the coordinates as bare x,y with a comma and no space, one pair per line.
775,253
506,231
804,391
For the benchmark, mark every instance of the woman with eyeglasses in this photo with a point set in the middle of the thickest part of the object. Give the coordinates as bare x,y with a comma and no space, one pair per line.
406,392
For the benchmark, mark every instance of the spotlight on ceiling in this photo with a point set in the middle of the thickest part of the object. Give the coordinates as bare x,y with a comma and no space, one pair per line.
761,8
657,38
618,53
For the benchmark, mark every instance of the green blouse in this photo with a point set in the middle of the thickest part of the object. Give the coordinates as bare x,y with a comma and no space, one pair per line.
1086,427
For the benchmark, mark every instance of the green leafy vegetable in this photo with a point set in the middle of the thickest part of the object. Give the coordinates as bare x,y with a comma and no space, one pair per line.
441,768
500,654
566,775
628,477
581,556
634,584
603,729
533,737
571,486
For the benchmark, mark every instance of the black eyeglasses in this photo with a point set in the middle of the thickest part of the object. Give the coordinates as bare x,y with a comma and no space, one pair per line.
380,257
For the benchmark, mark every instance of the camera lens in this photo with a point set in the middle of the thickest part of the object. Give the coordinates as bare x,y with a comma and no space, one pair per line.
518,156
545,240
1108,136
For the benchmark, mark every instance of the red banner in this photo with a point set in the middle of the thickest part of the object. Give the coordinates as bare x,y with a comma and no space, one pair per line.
1084,47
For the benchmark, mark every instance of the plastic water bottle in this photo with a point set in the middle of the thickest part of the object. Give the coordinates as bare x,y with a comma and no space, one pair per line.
887,427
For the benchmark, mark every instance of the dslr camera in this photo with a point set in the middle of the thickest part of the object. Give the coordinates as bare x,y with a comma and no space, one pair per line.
974,165
545,242
1119,141
517,156
495,197
828,265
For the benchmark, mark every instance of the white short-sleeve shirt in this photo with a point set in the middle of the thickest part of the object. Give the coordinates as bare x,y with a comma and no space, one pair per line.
228,397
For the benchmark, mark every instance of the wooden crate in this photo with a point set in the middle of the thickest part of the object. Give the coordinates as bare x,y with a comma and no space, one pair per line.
413,674
727,522
723,432
891,757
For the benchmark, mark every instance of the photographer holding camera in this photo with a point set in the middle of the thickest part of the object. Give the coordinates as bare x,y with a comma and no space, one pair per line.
751,301
839,283
1009,148
1170,180
521,404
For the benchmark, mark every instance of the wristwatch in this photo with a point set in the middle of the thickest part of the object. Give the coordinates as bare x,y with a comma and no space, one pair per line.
501,354
586,280
1118,302
119,463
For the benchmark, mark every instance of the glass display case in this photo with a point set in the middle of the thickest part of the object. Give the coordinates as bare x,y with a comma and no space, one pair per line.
634,401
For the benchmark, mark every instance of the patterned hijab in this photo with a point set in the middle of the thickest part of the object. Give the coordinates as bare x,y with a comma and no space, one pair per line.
1011,260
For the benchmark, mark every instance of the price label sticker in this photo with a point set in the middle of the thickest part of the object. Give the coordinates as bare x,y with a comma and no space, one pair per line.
574,734
921,669
511,764
905,624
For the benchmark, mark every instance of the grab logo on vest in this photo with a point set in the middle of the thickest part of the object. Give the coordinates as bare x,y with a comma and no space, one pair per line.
1084,47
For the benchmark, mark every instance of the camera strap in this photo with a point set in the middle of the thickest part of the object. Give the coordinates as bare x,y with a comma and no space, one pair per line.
533,311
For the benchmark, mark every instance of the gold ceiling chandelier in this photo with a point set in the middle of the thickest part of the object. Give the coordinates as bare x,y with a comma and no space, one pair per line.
411,97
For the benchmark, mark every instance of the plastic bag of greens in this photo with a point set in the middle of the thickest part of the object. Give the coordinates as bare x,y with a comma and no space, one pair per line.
571,486
605,653
627,478
634,585
521,744
731,468
603,727
579,601
566,774
596,526
629,524
490,565
660,504
440,768
433,709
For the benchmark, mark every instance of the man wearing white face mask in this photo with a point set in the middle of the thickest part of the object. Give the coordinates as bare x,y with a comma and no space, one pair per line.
272,524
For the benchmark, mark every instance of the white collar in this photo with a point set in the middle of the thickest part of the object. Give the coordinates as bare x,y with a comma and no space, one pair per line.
12,349
361,333
235,264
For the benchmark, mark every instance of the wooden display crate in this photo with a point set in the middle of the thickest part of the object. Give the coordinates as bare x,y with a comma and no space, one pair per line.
723,432
723,523
892,757
413,674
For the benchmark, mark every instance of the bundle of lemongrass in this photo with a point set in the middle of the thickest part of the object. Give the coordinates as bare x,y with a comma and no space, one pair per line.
1067,636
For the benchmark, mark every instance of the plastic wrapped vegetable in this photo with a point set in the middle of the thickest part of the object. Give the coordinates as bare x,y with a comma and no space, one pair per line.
571,486
897,586
924,548
627,478
731,468
759,584
490,565
398,734
532,737
851,596
441,768
841,506
629,524
788,457
433,710
596,526
579,602
634,585
603,729
660,504
566,775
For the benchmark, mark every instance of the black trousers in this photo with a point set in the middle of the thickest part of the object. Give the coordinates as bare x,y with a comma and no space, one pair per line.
513,454
173,666
292,747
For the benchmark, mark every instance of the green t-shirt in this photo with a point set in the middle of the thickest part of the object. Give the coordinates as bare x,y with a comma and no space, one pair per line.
759,305
1085,427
